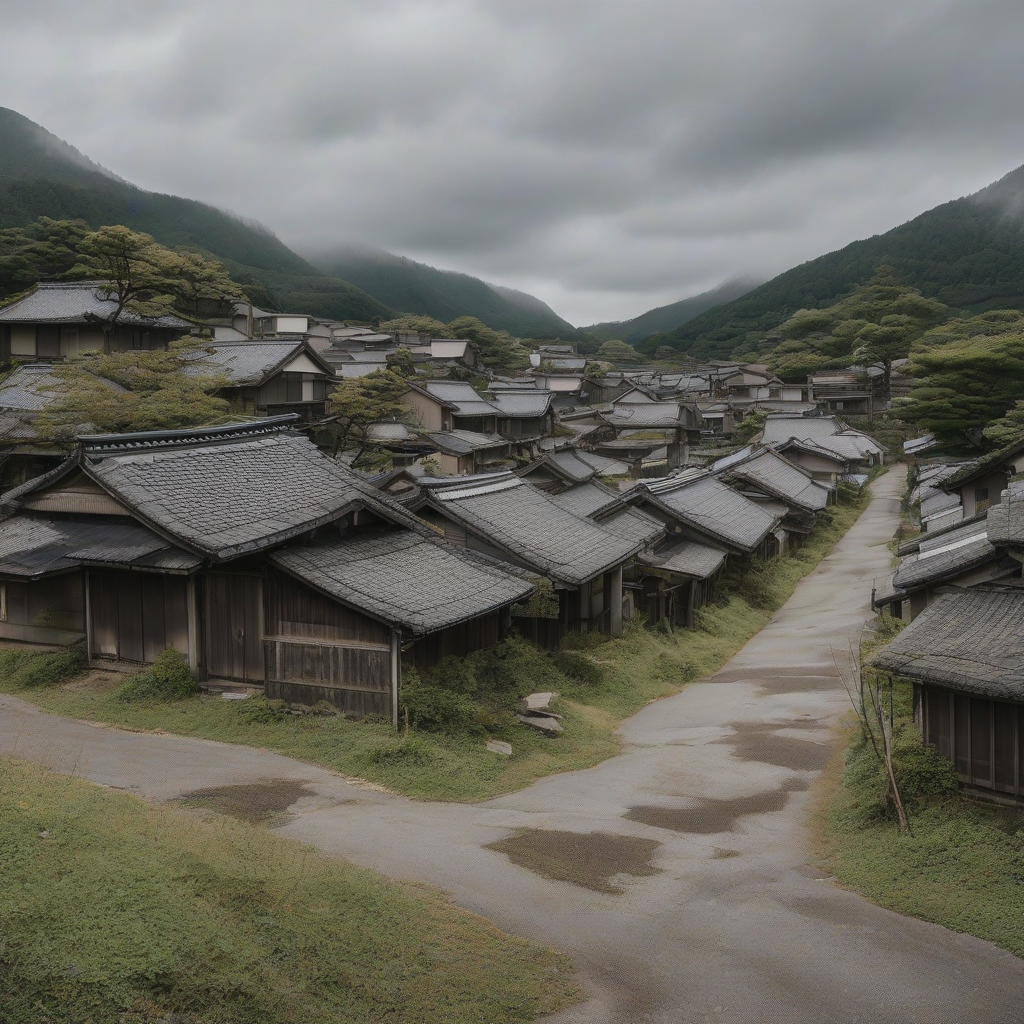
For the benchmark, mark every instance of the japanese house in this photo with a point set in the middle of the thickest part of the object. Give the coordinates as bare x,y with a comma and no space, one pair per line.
981,483
58,319
965,656
271,377
263,561
504,517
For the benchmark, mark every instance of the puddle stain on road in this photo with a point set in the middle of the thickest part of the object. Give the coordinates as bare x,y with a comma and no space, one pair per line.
711,817
590,859
760,743
255,802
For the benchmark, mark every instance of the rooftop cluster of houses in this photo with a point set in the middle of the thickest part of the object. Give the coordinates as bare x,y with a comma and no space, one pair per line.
958,584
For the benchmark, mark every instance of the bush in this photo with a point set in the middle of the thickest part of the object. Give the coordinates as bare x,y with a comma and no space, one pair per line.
434,707
578,667
757,583
30,670
262,709
514,668
169,678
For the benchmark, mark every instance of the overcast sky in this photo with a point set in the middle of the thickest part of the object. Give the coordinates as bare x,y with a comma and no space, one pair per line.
606,155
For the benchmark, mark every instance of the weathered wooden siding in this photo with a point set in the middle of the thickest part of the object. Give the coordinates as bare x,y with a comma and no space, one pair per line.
233,619
48,611
983,738
317,649
460,640
137,615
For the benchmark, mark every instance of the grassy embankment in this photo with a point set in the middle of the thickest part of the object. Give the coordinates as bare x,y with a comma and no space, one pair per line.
961,866
443,757
113,911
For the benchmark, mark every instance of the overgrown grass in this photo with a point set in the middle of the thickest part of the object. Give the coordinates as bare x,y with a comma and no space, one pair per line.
961,866
455,707
113,911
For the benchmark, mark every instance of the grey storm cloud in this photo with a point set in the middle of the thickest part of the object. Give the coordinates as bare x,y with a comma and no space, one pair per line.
608,155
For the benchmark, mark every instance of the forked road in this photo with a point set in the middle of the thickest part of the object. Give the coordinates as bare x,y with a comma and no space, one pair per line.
735,927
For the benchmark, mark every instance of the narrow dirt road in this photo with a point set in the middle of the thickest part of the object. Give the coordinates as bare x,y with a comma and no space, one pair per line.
733,926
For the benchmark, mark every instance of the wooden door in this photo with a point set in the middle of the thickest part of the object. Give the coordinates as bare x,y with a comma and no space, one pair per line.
234,614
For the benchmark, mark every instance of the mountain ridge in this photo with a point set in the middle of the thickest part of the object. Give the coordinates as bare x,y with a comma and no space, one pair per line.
967,253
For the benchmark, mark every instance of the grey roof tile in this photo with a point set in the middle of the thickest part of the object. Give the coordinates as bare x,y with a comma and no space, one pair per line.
971,640
78,302
32,546
522,404
466,401
703,502
1006,520
688,558
250,362
402,577
768,471
531,527
945,557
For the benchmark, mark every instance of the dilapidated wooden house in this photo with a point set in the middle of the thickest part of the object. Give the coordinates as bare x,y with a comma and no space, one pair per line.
60,319
502,516
965,656
246,548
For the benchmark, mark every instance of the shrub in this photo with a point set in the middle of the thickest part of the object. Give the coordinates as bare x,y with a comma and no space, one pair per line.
514,668
757,583
262,709
434,707
168,678
578,667
37,670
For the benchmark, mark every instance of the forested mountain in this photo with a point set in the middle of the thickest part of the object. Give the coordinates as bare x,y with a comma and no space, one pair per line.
967,254
442,294
41,176
664,319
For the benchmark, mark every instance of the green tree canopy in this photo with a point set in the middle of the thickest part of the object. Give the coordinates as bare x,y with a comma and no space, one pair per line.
359,402
498,349
425,325
616,351
968,374
136,390
140,274
875,325
1009,428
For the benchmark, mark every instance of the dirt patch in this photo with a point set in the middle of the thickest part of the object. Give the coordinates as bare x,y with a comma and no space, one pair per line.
256,802
782,680
723,854
591,859
761,743
710,817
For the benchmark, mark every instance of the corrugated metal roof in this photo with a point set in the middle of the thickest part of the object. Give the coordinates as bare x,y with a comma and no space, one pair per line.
78,302
970,640
532,527
404,578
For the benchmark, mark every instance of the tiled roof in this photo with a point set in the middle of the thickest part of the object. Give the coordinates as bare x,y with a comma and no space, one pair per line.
970,640
703,502
851,444
688,558
917,445
402,577
460,395
989,464
462,442
945,557
522,404
632,524
1006,520
587,498
32,546
225,491
770,472
27,388
938,503
781,427
531,527
812,448
78,302
569,466
250,363
646,414
602,465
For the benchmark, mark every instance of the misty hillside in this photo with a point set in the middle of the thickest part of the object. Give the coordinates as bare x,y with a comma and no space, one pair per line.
664,319
968,253
41,176
443,294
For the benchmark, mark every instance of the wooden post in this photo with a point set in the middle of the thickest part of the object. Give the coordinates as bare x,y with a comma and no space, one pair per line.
88,621
396,671
613,597
193,624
